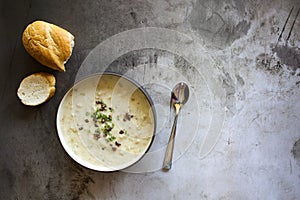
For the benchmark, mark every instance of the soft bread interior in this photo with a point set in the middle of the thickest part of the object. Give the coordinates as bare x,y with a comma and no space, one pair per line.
72,44
35,89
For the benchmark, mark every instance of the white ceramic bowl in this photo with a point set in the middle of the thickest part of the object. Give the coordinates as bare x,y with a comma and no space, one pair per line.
106,122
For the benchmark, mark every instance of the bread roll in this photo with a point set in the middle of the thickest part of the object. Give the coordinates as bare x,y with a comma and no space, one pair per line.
36,89
49,44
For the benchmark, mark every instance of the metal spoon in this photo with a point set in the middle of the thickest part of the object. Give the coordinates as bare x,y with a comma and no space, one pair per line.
179,96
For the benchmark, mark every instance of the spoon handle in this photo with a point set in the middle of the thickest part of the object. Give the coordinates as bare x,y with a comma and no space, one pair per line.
169,152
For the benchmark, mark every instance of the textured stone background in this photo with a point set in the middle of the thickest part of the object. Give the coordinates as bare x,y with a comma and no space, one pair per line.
258,153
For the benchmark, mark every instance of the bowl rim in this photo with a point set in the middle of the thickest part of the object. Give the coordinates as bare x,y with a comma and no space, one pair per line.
77,158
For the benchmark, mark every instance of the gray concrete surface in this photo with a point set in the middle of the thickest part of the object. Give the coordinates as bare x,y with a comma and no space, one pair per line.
240,55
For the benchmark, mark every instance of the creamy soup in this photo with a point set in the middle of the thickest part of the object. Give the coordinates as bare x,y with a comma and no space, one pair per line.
105,122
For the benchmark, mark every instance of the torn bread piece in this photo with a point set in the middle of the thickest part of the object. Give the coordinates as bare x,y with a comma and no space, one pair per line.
49,44
36,88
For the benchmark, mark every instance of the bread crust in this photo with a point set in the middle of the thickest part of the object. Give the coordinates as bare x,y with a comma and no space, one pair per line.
49,44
